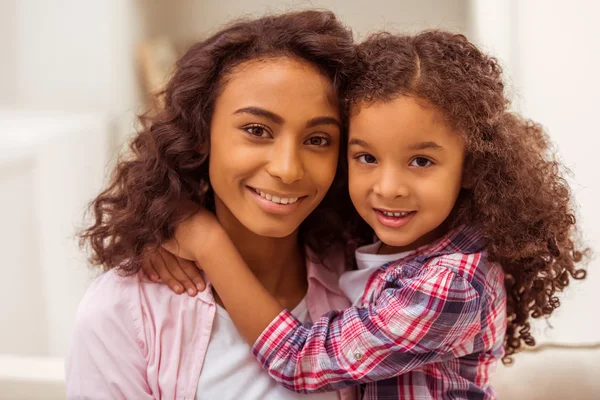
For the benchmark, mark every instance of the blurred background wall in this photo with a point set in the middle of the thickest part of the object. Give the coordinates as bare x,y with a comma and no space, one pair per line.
71,85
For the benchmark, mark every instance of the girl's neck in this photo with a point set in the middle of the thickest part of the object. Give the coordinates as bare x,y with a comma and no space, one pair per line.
278,263
424,240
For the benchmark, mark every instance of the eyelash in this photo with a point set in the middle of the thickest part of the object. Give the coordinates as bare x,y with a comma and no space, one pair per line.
248,129
324,140
360,158
430,163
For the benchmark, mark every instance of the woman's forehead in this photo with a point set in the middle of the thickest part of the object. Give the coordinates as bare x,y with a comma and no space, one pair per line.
280,85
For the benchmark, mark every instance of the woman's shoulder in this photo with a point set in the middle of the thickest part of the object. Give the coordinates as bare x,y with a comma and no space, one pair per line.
111,297
111,285
122,295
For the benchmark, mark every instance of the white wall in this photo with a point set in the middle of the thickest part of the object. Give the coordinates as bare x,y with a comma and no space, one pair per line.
552,57
8,50
192,20
59,58
70,55
22,313
558,57
51,164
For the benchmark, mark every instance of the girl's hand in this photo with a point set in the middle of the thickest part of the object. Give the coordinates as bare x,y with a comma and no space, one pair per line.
177,273
195,236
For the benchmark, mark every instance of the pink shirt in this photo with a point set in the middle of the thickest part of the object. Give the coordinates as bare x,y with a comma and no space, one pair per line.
135,339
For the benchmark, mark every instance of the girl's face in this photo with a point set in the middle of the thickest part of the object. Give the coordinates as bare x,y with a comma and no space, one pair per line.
405,170
274,143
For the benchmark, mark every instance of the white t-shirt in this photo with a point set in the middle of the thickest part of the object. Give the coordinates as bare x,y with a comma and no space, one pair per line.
230,371
353,282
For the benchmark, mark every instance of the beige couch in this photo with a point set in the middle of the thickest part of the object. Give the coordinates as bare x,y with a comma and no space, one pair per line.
561,374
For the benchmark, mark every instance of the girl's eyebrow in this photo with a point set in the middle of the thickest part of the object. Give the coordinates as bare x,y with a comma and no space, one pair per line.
425,146
358,142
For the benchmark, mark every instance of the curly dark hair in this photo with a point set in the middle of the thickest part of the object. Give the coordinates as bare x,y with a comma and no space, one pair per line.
516,190
138,209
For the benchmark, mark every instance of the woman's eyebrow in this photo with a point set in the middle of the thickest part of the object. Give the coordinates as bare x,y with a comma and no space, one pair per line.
260,112
323,121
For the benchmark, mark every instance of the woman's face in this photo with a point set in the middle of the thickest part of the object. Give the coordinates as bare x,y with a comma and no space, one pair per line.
275,135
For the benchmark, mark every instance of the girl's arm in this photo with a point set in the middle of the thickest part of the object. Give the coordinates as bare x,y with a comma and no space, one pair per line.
417,320
202,239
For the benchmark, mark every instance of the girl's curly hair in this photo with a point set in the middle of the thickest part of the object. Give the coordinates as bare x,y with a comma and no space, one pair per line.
517,192
138,209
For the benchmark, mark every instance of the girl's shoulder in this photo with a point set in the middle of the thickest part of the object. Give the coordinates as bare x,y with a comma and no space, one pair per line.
462,251
485,276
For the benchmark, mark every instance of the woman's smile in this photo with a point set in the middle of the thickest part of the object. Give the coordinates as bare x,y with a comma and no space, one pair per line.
276,203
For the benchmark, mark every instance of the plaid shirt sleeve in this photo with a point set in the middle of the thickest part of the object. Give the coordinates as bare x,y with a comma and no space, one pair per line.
415,320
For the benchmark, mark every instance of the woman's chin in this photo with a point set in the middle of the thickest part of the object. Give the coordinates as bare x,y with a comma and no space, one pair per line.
275,232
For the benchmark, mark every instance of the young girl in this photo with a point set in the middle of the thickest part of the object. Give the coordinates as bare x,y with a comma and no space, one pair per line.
476,228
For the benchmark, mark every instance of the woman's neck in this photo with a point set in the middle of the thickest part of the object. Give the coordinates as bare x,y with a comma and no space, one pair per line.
278,263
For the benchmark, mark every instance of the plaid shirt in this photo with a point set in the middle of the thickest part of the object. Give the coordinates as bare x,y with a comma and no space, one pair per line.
431,326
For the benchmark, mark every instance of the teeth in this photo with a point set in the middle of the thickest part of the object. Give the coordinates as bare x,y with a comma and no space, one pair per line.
397,215
275,199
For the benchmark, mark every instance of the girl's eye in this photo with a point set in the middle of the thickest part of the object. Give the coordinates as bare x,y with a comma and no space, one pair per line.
317,141
258,131
421,162
366,159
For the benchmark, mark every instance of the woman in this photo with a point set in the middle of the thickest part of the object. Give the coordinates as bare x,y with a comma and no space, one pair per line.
251,129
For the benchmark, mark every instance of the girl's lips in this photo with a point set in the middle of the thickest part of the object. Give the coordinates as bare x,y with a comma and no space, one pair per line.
393,222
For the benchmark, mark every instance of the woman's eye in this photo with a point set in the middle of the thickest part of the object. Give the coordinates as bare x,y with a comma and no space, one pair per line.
366,159
420,162
317,141
256,130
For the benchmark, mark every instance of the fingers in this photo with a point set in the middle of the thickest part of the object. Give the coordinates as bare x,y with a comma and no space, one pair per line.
150,271
178,269
165,275
192,271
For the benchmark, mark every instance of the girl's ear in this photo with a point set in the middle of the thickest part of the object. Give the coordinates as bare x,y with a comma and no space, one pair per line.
468,180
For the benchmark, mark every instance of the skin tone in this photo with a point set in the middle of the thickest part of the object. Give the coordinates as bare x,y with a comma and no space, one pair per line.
274,148
403,159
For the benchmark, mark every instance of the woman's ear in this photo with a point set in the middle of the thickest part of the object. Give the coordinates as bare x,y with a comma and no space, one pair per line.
204,147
